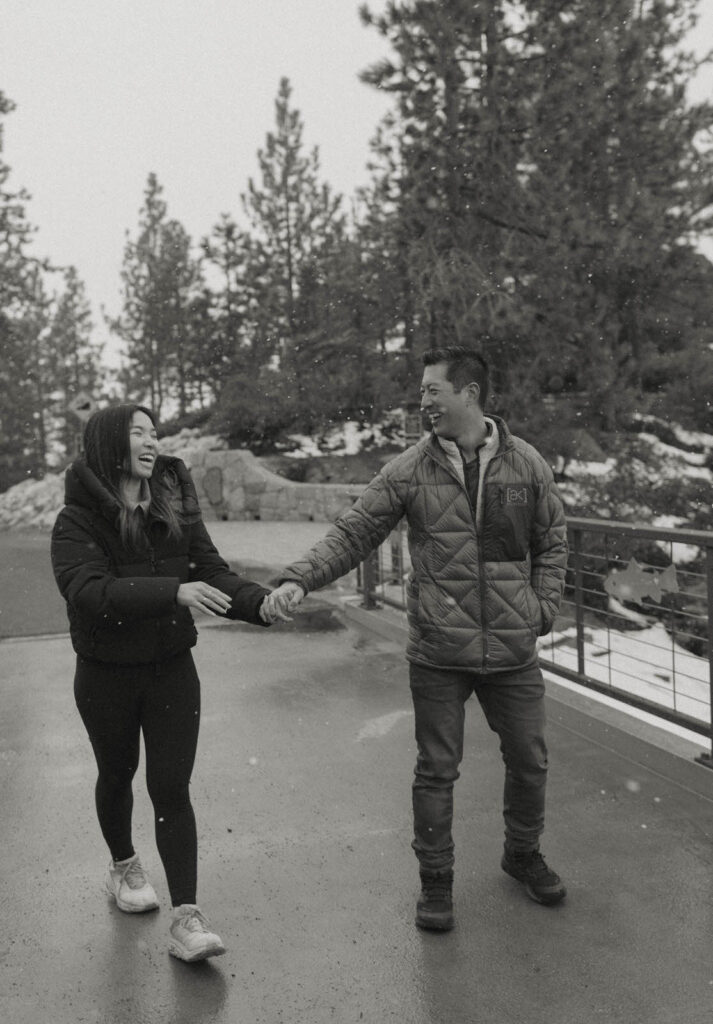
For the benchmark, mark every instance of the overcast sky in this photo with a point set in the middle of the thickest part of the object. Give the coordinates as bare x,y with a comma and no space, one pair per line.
107,91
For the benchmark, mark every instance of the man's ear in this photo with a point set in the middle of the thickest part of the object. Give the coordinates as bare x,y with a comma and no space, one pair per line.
473,390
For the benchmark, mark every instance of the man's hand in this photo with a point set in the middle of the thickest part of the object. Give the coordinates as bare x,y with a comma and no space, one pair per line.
280,602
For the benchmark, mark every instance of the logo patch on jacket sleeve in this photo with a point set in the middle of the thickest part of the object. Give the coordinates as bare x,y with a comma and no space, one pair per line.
515,494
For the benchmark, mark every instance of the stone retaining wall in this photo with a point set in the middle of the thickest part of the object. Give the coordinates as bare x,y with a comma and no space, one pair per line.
232,484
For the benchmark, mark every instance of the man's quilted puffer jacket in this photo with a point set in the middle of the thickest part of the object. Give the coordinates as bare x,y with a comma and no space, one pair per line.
477,598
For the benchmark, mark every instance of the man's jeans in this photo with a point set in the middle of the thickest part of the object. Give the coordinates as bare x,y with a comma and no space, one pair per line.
514,707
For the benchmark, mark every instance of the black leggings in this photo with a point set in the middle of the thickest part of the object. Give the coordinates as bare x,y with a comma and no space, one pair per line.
162,700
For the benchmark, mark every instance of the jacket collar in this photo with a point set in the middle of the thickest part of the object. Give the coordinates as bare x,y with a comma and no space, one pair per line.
448,454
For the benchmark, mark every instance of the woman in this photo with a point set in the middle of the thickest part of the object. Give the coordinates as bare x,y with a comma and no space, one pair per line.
132,558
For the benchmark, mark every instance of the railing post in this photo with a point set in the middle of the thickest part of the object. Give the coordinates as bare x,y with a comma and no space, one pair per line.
370,579
397,557
707,758
578,599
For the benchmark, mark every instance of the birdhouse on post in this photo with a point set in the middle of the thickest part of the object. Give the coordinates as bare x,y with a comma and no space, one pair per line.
81,406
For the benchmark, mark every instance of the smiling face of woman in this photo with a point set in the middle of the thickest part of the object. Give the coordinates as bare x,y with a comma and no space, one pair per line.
143,446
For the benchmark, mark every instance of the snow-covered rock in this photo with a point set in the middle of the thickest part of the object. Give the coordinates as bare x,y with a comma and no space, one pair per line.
34,504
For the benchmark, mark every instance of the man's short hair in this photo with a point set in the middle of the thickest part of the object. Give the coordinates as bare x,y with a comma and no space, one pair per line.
464,365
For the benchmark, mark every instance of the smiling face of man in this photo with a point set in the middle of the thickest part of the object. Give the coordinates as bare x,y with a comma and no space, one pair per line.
143,446
449,412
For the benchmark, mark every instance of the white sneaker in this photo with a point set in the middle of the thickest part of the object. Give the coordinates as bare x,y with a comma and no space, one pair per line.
191,937
126,881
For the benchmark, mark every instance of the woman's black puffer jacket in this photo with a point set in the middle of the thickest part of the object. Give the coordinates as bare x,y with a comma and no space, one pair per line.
122,603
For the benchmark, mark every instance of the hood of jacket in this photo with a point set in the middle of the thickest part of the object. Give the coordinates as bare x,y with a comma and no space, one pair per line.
84,488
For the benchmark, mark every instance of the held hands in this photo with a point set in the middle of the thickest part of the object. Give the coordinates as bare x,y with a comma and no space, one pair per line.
211,601
203,598
282,600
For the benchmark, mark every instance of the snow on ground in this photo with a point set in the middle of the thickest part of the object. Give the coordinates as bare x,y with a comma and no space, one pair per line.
587,470
582,486
647,663
670,459
680,554
694,438
349,438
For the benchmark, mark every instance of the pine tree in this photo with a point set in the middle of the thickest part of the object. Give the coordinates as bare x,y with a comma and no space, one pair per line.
457,158
181,281
294,217
295,228
620,185
73,359
23,306
161,280
244,304
386,287
550,181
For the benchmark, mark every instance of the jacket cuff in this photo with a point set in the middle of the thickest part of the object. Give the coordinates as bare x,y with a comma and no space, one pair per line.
258,606
293,579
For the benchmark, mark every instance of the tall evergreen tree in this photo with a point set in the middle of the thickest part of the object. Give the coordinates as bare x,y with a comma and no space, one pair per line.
245,302
22,322
161,279
181,282
73,358
293,215
296,226
550,180
275,307
140,325
619,184
456,158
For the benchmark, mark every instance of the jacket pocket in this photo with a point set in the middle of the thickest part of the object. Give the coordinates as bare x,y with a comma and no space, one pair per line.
412,599
537,615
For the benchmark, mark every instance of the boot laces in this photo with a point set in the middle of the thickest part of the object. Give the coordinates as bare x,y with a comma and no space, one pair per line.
436,888
534,864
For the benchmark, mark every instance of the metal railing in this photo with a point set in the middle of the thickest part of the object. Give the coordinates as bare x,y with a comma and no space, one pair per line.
634,623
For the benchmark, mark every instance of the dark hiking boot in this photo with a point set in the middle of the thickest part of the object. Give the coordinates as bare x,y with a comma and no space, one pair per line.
541,883
434,910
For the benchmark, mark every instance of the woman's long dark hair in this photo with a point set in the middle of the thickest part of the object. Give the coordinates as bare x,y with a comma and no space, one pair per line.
107,454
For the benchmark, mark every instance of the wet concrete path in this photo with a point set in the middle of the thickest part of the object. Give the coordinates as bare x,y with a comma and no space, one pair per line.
302,794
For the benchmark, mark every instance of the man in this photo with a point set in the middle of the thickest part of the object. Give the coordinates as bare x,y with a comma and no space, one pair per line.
487,538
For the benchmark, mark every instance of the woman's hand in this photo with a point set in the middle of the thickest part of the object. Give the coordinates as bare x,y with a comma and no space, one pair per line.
203,598
282,600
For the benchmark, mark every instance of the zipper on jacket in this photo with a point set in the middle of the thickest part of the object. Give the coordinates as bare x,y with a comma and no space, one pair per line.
481,569
481,558
479,544
481,555
152,558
